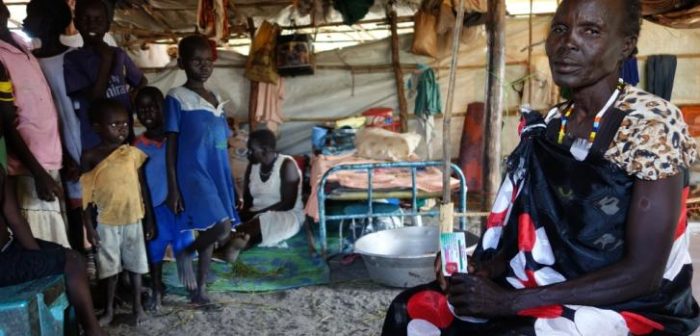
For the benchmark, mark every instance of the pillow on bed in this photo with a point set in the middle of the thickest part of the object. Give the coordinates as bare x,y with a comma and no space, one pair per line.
380,144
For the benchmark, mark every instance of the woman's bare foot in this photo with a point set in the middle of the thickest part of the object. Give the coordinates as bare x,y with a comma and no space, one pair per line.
200,298
106,318
238,242
139,316
155,302
185,271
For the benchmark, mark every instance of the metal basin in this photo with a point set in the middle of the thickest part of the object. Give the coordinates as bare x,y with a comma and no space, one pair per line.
402,257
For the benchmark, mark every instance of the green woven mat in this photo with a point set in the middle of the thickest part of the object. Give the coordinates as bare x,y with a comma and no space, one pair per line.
263,269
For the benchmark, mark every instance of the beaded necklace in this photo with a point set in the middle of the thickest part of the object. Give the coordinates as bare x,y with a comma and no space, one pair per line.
596,120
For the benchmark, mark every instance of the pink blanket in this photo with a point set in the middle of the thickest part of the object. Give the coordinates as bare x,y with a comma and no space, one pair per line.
429,180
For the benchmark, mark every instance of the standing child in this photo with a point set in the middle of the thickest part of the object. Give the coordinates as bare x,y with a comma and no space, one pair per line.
149,109
35,144
112,185
200,187
46,20
97,70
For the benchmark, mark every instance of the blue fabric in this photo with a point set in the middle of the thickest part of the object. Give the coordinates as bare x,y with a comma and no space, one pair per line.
168,234
81,67
630,71
156,170
203,171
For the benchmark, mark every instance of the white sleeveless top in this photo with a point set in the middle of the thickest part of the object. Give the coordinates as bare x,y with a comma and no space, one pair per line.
269,192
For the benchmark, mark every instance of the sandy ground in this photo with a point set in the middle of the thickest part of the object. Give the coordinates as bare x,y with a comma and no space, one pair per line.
350,305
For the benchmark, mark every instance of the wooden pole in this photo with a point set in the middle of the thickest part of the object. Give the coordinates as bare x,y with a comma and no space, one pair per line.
447,115
529,55
396,65
495,73
254,86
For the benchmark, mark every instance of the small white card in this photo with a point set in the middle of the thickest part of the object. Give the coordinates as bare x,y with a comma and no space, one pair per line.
453,246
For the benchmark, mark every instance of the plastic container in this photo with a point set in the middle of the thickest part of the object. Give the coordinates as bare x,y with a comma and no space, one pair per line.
38,307
382,117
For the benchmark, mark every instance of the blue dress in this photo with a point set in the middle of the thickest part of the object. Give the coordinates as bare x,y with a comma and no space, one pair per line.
203,171
169,232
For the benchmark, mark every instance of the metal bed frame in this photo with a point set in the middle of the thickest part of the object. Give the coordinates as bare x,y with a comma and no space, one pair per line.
370,194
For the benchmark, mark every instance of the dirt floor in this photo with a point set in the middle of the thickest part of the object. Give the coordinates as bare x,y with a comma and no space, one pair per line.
350,305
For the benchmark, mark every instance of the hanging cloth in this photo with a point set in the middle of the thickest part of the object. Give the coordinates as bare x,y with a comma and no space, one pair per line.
427,91
269,107
661,72
352,10
212,18
630,71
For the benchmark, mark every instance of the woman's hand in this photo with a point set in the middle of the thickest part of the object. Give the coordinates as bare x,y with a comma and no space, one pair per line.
92,236
473,295
439,277
149,229
490,269
71,169
174,201
47,189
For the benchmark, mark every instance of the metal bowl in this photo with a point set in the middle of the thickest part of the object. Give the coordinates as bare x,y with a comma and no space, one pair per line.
402,257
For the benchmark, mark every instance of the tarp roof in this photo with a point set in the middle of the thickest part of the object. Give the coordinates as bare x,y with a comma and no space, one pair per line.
166,20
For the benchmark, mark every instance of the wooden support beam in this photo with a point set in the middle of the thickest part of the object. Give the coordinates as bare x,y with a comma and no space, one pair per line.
254,86
496,40
396,65
359,69
399,19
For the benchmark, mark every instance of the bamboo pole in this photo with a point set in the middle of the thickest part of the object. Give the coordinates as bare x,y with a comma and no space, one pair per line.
529,55
254,86
447,115
396,66
495,27
447,207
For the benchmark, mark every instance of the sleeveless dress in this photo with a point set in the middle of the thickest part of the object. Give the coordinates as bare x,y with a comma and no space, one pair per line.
275,226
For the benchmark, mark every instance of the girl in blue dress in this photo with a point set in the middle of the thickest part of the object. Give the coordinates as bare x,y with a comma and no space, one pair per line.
200,187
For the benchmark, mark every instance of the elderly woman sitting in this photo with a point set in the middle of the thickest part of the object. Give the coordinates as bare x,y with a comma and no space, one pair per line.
588,233
272,208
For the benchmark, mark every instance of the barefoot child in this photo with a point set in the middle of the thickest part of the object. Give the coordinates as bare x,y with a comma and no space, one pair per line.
149,110
112,184
200,187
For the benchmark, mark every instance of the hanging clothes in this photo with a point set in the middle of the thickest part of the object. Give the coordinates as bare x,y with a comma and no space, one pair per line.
426,89
426,129
352,10
212,18
661,72
269,107
630,71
